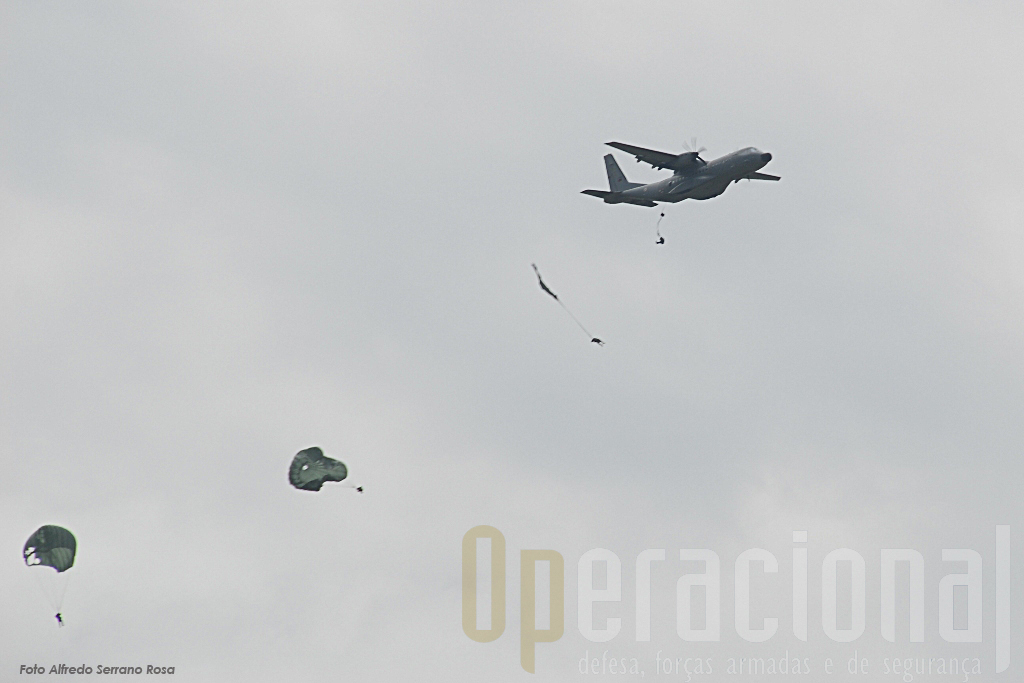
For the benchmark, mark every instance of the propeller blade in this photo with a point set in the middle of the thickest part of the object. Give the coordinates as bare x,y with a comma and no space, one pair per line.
692,148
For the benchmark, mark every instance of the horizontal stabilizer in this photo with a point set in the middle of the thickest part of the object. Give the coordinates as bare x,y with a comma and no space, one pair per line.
617,198
762,176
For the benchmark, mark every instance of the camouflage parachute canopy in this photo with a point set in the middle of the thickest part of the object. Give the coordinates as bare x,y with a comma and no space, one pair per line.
310,468
50,546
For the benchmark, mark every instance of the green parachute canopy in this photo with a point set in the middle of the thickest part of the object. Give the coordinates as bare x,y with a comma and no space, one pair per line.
310,468
50,546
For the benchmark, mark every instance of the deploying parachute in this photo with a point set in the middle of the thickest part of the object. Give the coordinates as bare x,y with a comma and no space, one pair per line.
543,286
310,468
51,546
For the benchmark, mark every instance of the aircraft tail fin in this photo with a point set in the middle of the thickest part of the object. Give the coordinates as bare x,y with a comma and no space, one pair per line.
616,179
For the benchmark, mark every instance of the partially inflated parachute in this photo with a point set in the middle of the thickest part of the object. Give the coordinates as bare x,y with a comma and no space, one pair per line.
50,546
310,468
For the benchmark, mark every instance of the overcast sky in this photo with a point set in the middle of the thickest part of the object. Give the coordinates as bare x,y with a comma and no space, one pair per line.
232,230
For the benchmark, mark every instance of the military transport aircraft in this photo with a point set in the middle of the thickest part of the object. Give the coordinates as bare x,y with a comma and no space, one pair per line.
692,177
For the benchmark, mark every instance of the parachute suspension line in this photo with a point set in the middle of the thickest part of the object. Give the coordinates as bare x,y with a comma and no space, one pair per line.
42,589
53,588
657,229
575,319
63,589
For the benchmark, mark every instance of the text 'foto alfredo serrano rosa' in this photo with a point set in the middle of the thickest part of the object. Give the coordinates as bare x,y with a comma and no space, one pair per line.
83,669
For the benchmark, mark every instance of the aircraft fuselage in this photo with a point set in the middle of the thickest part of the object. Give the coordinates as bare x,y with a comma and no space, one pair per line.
715,177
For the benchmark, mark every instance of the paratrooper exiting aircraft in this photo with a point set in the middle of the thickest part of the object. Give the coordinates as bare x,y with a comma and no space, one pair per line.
692,177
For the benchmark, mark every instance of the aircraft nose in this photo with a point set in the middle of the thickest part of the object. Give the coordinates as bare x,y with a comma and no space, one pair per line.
766,157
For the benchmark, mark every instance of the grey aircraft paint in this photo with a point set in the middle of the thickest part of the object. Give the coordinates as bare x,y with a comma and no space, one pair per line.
692,177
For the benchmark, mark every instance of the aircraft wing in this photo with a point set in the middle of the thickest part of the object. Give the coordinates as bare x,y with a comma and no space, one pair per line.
650,156
763,176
